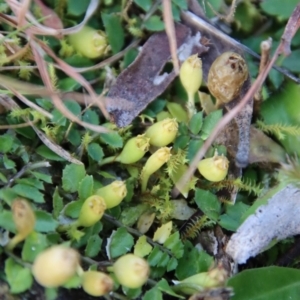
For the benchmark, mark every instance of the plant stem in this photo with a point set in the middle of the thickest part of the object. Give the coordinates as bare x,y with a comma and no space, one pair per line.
17,259
109,160
29,166
191,105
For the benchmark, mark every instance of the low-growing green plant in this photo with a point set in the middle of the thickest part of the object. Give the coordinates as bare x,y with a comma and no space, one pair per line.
85,204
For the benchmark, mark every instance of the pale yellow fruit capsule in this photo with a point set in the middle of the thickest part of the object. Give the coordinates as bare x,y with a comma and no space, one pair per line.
226,77
91,211
113,193
131,271
55,266
191,74
214,168
96,283
134,149
162,133
24,219
89,42
154,163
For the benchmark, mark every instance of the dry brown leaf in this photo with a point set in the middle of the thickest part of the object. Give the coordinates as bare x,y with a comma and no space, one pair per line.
142,81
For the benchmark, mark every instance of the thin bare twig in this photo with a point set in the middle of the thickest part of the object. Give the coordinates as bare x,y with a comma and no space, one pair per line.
29,166
170,31
265,48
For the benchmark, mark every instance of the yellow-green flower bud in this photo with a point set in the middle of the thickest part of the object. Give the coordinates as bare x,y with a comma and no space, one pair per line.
113,193
96,283
162,133
24,219
91,211
89,42
131,271
55,266
154,163
134,149
191,74
214,168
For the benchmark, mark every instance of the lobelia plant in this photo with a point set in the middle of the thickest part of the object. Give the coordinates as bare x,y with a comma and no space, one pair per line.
95,192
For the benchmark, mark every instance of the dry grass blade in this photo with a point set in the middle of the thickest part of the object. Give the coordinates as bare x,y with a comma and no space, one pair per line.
22,12
18,9
72,73
56,148
55,98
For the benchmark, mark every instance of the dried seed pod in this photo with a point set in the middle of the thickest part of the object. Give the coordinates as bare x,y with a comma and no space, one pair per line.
226,77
